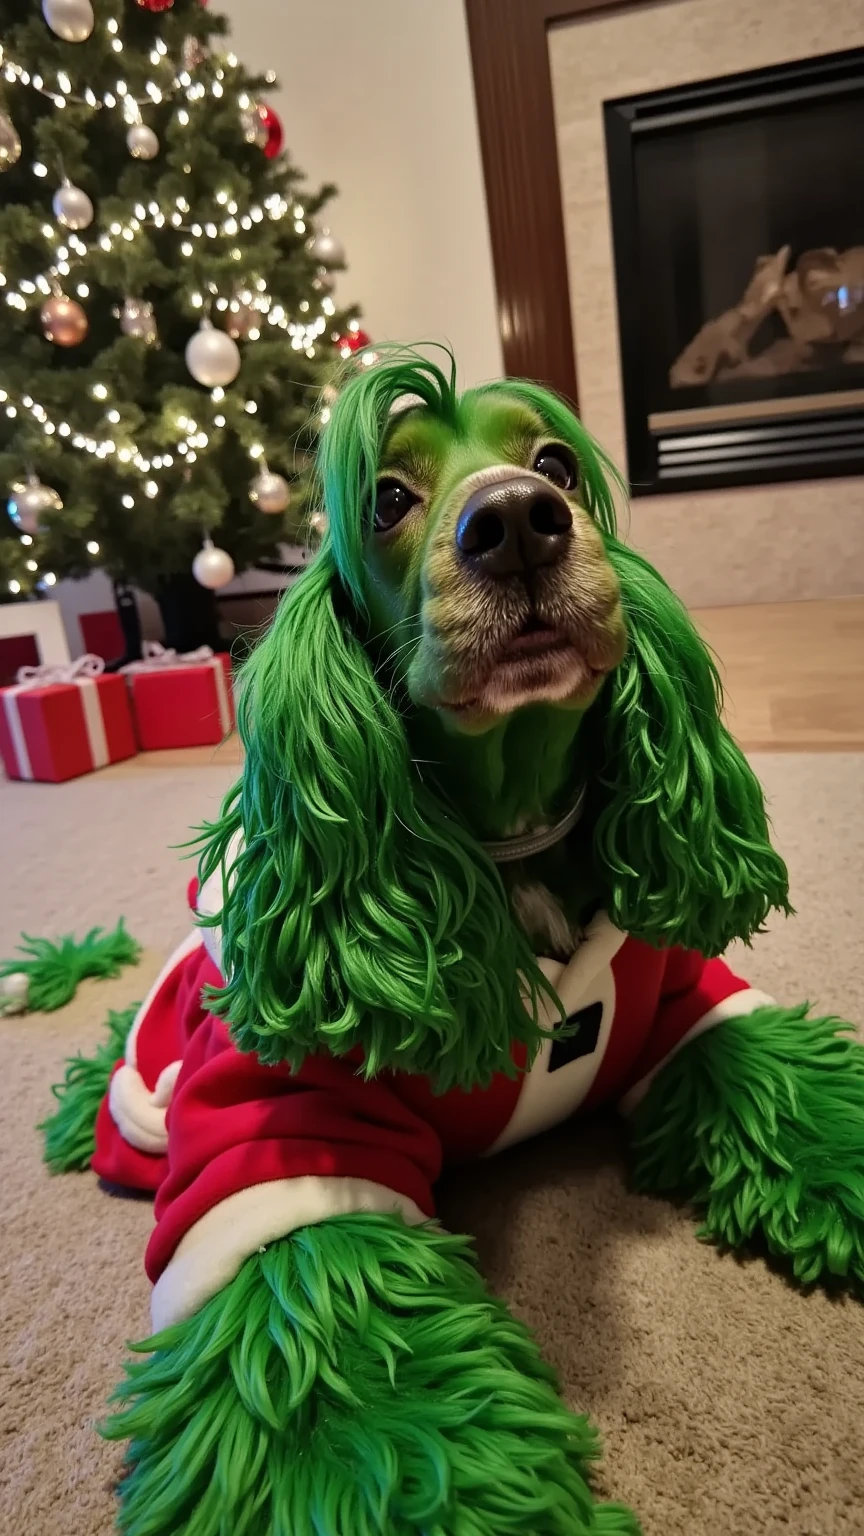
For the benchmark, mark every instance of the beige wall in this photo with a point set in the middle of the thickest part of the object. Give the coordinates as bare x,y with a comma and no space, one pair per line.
734,546
377,96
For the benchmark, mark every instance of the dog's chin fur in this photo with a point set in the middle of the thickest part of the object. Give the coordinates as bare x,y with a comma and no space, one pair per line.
560,676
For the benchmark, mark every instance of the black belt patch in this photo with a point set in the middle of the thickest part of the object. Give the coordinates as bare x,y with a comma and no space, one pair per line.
583,1040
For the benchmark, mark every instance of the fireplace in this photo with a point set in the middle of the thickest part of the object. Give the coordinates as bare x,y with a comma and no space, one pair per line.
738,230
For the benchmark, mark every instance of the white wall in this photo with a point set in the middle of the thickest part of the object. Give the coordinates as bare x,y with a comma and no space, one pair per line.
377,97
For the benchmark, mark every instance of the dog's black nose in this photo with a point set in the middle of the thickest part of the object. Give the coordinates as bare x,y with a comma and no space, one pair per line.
513,526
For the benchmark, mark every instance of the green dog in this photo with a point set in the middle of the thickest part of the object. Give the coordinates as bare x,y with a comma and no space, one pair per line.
490,841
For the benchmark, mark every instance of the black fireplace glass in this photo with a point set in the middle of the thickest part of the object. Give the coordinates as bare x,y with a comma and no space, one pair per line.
738,229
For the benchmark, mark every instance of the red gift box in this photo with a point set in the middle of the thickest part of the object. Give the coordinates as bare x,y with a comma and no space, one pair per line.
180,700
58,722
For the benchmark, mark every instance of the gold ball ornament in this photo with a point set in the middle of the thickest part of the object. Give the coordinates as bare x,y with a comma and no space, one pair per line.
241,319
318,525
63,321
269,492
213,567
10,144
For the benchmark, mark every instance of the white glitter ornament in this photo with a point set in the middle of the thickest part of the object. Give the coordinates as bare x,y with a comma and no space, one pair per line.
269,492
326,249
70,19
10,144
212,358
253,126
142,142
137,319
72,207
213,567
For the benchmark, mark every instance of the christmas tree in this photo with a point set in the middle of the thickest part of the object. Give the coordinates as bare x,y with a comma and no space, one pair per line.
167,329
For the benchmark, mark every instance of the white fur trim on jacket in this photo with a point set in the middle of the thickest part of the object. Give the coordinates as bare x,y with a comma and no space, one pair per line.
138,1114
735,1007
213,1250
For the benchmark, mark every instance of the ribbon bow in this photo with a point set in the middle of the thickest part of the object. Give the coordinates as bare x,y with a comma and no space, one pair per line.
61,672
156,655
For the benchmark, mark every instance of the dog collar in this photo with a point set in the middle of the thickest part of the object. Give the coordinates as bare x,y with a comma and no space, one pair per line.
506,849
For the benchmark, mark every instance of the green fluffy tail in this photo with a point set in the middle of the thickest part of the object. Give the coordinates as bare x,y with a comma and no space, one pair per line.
760,1122
70,1132
53,971
355,1379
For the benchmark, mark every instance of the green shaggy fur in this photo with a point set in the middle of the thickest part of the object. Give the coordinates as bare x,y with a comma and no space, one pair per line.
70,1132
54,971
761,1124
354,1380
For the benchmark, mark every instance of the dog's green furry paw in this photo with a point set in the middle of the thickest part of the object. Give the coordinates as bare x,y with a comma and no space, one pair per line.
355,1379
70,1132
760,1122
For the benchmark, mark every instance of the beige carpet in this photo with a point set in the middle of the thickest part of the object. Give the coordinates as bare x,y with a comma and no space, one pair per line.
730,1404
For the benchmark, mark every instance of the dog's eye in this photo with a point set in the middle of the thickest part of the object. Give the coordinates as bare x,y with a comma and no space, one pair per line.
392,501
559,465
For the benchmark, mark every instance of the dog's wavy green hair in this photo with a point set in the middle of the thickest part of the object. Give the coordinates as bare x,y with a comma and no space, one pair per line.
358,914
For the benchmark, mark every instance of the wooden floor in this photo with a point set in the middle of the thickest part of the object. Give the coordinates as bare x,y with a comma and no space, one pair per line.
793,674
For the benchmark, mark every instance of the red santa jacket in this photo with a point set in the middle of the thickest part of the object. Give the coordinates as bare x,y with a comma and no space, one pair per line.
241,1154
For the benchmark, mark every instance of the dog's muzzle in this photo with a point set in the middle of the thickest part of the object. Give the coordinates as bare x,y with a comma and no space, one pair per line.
513,526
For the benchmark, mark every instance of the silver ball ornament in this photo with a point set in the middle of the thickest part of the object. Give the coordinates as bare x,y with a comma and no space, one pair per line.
212,357
142,142
72,20
326,249
213,567
318,524
137,319
269,492
14,990
30,501
72,207
10,144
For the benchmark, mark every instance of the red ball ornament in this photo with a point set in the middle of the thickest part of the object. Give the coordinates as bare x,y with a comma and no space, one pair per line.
353,341
275,131
155,5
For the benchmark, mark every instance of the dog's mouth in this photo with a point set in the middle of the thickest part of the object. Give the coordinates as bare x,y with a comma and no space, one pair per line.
535,638
540,661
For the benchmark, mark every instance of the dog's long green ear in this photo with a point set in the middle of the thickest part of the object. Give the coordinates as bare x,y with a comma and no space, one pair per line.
356,914
681,835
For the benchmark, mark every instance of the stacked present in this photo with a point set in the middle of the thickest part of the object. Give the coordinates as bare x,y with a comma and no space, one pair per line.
180,700
58,722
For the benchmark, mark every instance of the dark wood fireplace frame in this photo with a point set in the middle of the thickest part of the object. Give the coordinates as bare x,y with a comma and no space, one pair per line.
510,61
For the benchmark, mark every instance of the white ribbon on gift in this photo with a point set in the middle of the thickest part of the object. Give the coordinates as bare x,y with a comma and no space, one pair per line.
83,673
158,658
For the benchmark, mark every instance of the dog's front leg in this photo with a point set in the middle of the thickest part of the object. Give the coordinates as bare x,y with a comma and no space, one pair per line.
760,1122
355,1379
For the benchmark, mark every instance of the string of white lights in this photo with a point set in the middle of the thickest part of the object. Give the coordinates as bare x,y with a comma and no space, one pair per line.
181,81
